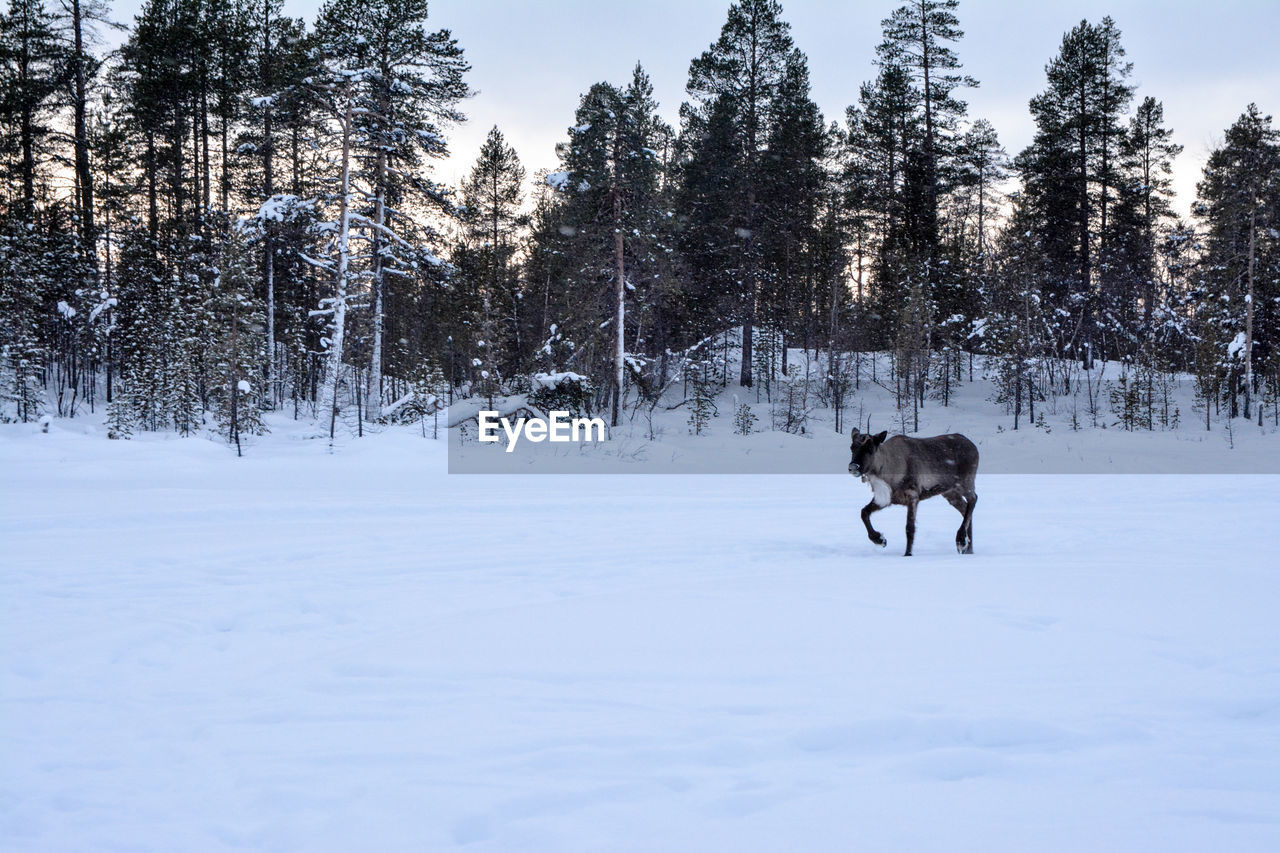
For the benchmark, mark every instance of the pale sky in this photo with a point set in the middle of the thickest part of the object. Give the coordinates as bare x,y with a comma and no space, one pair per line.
532,60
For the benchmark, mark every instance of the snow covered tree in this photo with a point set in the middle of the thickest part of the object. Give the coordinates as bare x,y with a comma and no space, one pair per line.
80,18
1070,172
404,84
792,177
270,79
982,165
1239,204
334,308
1147,155
492,195
32,67
702,396
237,326
22,357
1013,333
737,79
917,39
607,228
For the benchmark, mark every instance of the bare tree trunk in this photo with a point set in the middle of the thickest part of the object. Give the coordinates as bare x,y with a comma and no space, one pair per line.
620,318
202,147
234,382
224,178
1248,313
27,140
268,189
748,323
153,208
1085,276
374,397
84,177
333,367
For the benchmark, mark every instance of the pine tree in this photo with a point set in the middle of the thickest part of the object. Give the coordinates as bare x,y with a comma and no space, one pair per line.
407,83
32,69
1239,204
793,178
702,401
390,88
982,165
160,75
236,321
710,217
744,420
607,227
277,178
739,78
22,354
916,39
80,18
1070,171
491,198
1014,330
880,142
1147,156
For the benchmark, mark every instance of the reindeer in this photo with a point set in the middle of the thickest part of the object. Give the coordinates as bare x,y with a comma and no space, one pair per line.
905,471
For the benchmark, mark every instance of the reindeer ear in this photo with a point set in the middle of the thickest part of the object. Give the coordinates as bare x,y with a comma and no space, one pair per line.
854,434
879,439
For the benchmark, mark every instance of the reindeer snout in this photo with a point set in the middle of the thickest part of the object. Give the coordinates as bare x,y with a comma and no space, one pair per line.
853,469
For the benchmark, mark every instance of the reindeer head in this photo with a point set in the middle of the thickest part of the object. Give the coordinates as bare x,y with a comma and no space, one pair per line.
862,448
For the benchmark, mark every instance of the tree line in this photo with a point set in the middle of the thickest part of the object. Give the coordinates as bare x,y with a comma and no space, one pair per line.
235,212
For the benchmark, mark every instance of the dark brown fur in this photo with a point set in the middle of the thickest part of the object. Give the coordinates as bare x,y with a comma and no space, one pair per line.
905,471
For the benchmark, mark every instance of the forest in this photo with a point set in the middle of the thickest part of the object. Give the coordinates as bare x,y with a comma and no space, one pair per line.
235,213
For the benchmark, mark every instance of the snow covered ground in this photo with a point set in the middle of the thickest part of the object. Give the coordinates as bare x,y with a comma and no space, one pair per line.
306,650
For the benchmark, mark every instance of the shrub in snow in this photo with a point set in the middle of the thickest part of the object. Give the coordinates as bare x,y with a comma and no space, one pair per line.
562,392
424,399
766,361
412,408
1126,397
795,403
702,400
119,418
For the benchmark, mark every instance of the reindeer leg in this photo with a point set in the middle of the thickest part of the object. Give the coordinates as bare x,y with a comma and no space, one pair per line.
961,503
967,524
873,534
912,502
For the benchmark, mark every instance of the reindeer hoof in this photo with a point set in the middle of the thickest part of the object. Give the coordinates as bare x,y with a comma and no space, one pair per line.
908,554
880,540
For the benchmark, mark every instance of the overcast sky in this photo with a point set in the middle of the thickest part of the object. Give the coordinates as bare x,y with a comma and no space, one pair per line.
532,60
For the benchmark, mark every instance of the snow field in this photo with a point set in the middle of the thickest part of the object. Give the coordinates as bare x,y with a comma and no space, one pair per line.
310,651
